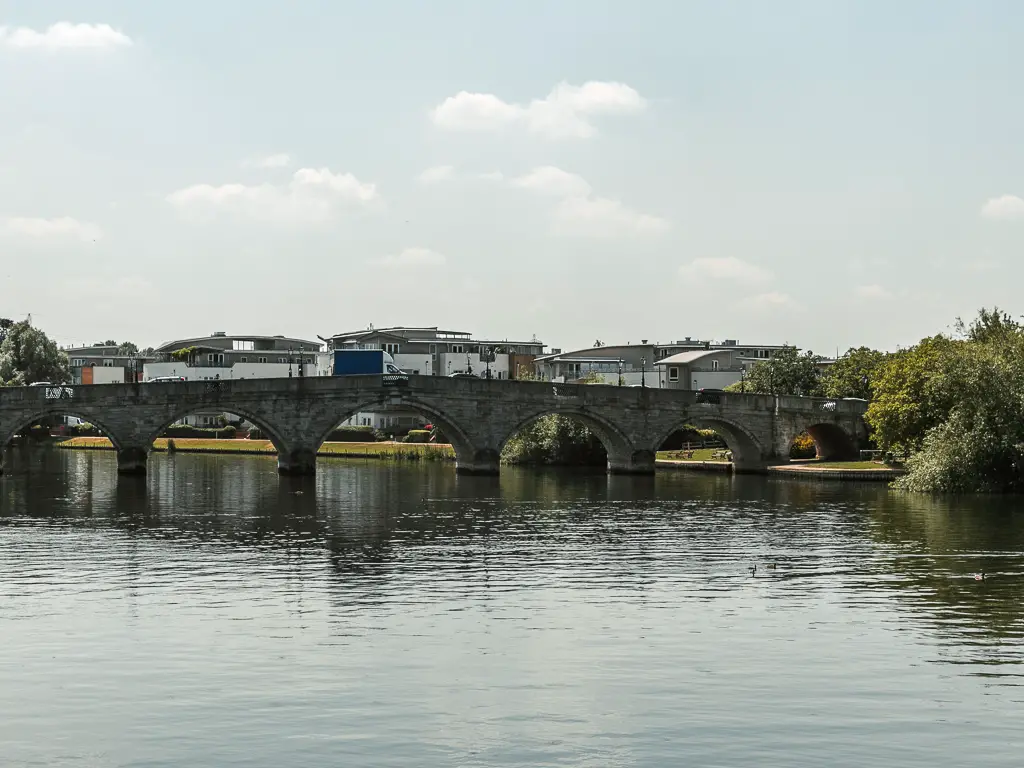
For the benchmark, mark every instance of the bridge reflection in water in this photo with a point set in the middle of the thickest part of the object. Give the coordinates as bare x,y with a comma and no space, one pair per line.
477,416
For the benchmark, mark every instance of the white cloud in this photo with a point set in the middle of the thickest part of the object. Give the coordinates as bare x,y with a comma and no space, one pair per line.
312,195
63,228
769,300
602,217
492,176
872,292
1004,207
550,180
121,286
413,258
579,212
63,35
436,175
563,114
281,160
725,268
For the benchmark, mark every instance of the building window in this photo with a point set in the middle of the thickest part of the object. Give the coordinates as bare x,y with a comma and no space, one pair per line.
108,363
77,362
458,349
391,349
243,359
433,349
262,360
714,365
673,373
282,359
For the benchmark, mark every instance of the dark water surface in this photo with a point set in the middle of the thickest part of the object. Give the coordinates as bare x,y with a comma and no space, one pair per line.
213,614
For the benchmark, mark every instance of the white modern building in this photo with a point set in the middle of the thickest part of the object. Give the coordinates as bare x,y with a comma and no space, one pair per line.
685,364
223,356
432,351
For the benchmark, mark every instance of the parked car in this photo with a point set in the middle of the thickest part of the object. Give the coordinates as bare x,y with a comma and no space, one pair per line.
713,396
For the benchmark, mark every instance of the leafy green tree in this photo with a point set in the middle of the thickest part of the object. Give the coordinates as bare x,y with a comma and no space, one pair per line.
127,348
787,372
979,445
852,374
911,394
990,325
5,327
28,355
555,440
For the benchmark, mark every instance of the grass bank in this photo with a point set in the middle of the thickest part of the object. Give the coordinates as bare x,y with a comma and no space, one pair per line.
386,451
697,454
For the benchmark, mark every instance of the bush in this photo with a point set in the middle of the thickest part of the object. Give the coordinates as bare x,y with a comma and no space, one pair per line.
417,436
84,430
354,434
555,440
803,447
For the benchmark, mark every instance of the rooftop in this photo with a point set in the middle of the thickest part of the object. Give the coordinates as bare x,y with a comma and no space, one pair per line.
200,340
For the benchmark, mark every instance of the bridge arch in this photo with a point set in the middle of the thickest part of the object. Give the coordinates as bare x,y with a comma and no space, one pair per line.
832,442
466,449
748,454
8,431
624,457
265,423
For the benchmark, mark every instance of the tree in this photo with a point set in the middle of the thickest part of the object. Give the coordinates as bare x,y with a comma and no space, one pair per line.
785,373
990,325
28,355
911,394
852,374
127,348
979,443
5,327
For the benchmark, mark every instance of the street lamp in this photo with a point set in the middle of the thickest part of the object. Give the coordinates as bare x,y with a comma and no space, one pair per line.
289,362
487,358
620,372
643,372
743,379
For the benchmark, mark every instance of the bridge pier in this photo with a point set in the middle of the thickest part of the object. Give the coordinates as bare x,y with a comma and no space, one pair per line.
296,461
132,460
481,462
635,463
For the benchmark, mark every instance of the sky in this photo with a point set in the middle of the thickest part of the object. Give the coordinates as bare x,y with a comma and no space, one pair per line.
822,173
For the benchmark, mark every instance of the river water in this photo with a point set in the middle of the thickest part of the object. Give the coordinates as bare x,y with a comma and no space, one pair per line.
214,614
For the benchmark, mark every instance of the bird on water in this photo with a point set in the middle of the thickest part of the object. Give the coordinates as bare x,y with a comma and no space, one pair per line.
979,576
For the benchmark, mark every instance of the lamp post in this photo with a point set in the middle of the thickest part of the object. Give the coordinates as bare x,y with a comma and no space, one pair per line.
289,362
743,379
487,358
643,372
620,372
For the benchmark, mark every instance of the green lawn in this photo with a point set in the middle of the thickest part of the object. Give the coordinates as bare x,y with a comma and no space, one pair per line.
699,454
348,450
843,465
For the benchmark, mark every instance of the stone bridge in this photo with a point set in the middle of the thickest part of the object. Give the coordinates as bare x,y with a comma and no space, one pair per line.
477,416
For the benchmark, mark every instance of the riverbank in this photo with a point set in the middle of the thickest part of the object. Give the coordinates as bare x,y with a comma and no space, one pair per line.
390,451
840,470
708,461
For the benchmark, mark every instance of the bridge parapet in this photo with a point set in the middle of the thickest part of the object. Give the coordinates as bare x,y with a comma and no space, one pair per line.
478,415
